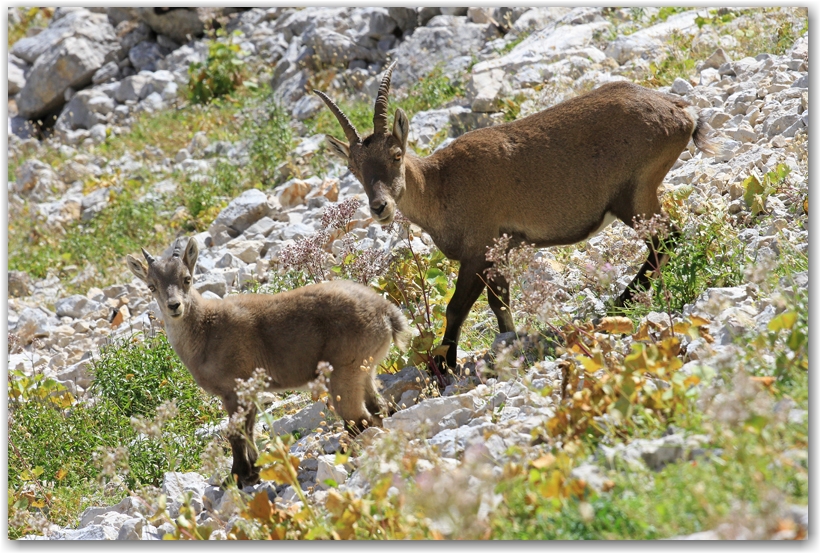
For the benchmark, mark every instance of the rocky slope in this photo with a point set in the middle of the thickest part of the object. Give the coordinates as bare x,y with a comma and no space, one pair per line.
115,63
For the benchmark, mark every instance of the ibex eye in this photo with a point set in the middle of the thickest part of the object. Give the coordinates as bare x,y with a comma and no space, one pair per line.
398,157
152,288
187,280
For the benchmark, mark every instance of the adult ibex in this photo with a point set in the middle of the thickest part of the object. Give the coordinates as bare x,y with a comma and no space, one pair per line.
554,178
343,323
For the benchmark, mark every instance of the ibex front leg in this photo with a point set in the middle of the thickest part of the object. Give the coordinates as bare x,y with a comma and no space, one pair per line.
468,287
242,447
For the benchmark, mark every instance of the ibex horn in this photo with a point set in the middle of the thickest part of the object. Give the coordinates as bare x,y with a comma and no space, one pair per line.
380,111
350,131
148,257
175,253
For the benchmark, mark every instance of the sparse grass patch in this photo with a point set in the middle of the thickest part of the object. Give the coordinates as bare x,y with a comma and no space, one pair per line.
766,30
123,226
679,61
172,129
430,92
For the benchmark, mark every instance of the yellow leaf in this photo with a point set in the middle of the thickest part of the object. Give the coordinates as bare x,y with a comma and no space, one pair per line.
62,473
643,332
260,507
698,321
577,487
335,503
681,327
783,321
616,325
277,473
552,487
590,365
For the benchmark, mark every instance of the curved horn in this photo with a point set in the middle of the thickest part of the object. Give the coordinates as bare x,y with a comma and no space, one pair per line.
148,257
350,131
175,253
380,111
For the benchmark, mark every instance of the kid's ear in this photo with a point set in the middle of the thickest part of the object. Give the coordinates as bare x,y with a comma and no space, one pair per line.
136,267
191,254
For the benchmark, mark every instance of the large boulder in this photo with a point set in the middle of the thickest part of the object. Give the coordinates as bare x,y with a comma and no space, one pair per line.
407,19
553,43
332,48
86,109
428,47
145,55
79,23
241,213
71,64
78,306
625,48
485,90
180,24
32,323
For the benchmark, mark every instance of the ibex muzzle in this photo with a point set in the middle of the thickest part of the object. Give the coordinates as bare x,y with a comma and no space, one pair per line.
552,178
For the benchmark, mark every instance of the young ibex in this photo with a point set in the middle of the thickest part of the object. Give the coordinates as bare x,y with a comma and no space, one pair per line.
341,322
556,177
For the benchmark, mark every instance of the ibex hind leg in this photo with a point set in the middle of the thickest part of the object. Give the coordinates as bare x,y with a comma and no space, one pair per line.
374,403
498,296
658,246
347,395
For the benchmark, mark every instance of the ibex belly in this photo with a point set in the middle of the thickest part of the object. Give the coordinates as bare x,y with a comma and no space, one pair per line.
605,222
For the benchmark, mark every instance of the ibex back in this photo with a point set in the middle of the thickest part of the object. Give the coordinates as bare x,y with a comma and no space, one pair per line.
343,323
553,178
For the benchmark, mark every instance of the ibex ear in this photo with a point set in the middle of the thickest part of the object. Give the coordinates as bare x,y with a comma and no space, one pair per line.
137,267
338,147
401,128
190,255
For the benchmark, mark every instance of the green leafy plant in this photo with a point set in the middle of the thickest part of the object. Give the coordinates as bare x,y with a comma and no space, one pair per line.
271,140
756,192
422,285
220,74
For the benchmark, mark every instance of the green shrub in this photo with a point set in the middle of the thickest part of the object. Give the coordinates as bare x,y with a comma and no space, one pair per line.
219,75
271,140
49,429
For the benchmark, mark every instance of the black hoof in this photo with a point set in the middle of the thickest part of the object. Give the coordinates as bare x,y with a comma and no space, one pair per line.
241,481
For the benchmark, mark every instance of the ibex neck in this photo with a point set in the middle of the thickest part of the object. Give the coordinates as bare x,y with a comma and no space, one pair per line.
185,333
418,201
